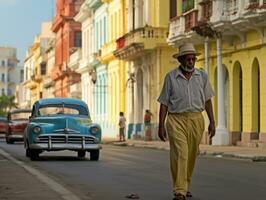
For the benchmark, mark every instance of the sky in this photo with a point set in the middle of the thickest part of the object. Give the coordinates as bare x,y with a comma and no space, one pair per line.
20,22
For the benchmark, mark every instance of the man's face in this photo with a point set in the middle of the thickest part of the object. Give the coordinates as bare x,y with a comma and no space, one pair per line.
188,62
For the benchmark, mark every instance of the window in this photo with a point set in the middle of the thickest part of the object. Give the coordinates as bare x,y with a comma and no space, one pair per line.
3,91
43,68
9,92
3,63
187,5
3,78
77,39
172,8
21,75
10,63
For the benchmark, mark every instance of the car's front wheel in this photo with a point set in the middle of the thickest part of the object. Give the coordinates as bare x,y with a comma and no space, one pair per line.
94,155
34,154
81,154
27,152
9,141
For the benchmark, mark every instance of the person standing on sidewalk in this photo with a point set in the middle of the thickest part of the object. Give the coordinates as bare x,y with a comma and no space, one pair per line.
122,125
185,94
147,125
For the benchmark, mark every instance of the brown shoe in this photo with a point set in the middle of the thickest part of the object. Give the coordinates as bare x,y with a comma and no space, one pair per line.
188,194
179,197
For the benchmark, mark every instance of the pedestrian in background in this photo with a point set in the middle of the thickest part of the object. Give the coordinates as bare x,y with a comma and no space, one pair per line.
185,94
122,125
147,125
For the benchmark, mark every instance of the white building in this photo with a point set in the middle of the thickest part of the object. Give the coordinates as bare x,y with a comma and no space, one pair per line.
10,73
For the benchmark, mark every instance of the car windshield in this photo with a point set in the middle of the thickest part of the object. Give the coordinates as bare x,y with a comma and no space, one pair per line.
20,116
62,109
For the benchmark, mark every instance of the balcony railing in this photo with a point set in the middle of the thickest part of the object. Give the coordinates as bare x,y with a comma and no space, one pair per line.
176,28
191,20
206,9
47,82
149,36
75,57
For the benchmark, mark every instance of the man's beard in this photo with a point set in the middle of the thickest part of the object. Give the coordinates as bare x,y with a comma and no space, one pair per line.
188,68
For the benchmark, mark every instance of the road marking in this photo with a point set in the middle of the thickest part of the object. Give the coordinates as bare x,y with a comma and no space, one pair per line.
62,191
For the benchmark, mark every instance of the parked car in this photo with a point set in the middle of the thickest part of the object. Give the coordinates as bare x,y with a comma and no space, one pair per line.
3,125
17,122
62,124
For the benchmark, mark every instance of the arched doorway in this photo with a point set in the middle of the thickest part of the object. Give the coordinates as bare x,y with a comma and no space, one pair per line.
237,101
255,95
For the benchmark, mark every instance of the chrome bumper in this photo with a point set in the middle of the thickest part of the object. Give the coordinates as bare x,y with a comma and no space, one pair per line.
64,146
16,137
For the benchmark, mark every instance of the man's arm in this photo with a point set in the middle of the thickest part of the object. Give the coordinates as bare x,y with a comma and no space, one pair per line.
162,116
209,110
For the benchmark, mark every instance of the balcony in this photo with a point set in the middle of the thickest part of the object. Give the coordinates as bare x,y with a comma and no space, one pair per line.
191,19
237,18
36,78
32,85
106,52
48,82
203,26
75,57
142,39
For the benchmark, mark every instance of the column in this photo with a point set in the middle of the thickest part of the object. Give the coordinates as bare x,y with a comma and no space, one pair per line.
147,11
221,137
206,66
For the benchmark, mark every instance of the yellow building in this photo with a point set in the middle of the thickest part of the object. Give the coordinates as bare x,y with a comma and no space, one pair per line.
231,40
35,66
148,57
115,68
34,78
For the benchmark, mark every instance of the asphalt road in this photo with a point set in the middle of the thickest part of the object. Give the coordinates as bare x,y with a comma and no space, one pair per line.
145,172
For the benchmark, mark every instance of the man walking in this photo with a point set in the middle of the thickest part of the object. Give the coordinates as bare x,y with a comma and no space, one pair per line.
185,94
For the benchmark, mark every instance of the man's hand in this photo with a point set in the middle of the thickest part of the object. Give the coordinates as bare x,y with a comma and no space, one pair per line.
162,133
211,129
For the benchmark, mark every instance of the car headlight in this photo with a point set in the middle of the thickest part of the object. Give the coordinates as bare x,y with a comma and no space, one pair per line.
37,129
94,130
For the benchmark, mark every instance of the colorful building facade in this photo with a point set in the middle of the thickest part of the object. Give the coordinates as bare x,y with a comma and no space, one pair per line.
148,58
115,68
67,38
230,35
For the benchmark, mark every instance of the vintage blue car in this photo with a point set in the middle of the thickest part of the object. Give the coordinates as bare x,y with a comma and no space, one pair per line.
62,124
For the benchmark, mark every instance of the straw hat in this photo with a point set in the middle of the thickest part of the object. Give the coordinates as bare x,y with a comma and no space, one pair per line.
185,49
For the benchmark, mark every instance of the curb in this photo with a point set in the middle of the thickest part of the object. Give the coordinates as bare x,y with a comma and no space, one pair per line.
202,153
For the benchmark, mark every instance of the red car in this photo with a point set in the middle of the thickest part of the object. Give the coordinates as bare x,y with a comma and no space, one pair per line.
3,125
18,119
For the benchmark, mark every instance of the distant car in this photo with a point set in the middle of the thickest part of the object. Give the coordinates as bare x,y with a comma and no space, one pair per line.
62,124
17,122
3,125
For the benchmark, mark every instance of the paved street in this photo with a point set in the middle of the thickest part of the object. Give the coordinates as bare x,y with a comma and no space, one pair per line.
123,170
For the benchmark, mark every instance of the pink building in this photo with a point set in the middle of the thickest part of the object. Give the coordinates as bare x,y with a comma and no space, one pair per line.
68,36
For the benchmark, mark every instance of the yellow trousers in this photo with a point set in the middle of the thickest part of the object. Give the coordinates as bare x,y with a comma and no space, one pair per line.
185,132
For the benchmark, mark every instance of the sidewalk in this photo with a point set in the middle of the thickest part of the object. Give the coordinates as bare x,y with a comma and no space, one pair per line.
253,153
17,183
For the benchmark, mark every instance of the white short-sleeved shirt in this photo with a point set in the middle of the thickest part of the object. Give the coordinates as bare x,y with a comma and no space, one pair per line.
182,95
122,122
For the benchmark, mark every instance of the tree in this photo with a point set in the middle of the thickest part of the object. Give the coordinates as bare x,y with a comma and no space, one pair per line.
6,104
